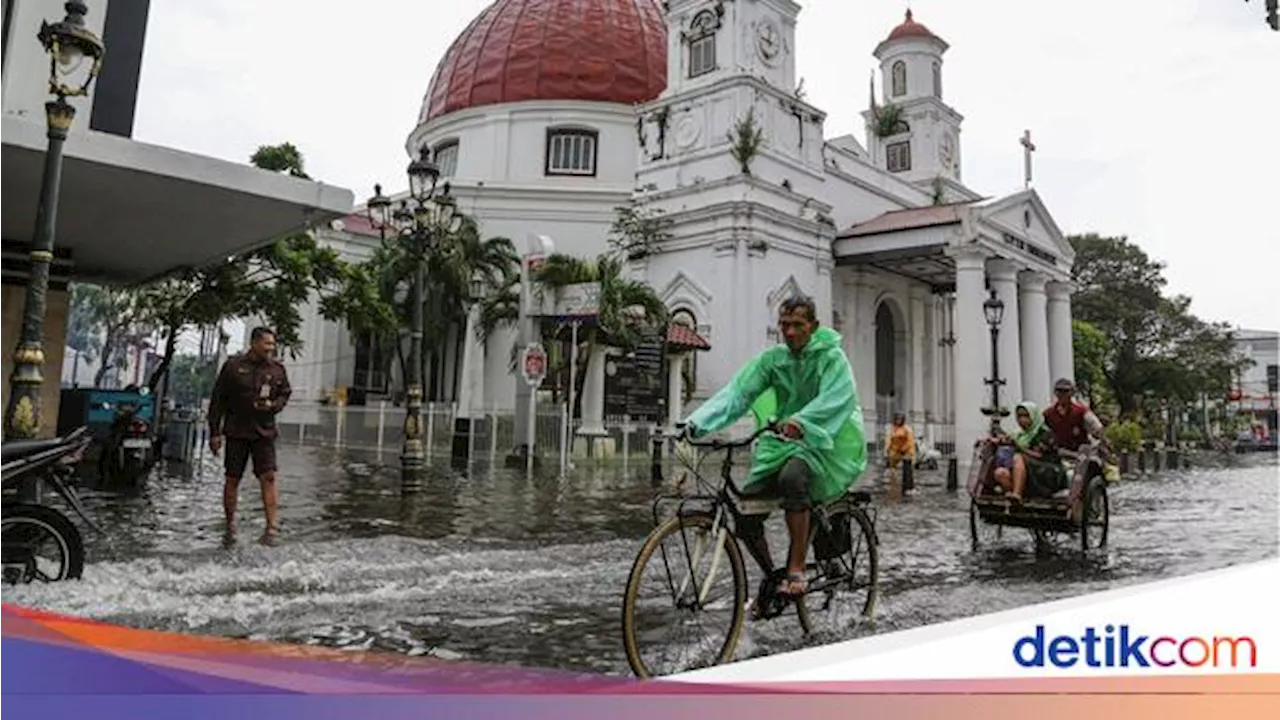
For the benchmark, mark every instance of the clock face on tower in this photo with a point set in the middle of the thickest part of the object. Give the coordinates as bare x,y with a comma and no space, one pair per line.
946,150
768,41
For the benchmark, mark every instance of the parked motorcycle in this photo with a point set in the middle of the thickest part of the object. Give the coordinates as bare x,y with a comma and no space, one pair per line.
128,452
38,542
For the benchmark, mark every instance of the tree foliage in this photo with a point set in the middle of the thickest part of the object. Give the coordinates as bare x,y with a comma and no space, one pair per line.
1155,348
638,230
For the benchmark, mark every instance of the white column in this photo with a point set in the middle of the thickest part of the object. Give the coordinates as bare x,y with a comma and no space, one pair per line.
471,392
1061,357
916,391
1035,337
969,351
1004,280
593,393
863,356
675,388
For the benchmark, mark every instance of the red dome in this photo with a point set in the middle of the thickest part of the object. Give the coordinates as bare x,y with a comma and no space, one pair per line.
910,29
601,50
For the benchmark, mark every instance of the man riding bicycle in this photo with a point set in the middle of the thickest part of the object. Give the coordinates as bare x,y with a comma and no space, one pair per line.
808,385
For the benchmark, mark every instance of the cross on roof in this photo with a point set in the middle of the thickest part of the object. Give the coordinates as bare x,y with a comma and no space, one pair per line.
1028,147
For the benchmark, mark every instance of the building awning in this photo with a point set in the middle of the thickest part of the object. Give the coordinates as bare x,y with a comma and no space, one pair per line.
131,211
682,337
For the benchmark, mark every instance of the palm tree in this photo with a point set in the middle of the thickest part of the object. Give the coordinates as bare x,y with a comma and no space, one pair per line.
626,306
461,269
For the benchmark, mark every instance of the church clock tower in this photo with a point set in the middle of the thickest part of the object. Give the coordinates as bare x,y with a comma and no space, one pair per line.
732,154
912,132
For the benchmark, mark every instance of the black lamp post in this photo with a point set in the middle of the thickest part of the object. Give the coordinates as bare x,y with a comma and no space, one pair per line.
993,309
418,225
75,55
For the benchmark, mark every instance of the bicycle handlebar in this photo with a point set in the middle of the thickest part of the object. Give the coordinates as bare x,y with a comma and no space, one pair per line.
714,444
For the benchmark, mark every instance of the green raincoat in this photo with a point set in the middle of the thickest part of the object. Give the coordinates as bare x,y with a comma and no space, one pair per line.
816,390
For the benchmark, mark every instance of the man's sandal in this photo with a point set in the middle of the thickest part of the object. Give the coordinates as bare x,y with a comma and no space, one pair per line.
793,585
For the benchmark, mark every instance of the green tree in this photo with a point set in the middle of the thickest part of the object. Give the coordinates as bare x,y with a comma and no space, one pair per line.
1090,349
273,282
1156,349
461,270
638,230
103,324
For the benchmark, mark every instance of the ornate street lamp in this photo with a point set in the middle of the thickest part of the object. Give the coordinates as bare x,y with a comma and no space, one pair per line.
993,309
420,223
75,55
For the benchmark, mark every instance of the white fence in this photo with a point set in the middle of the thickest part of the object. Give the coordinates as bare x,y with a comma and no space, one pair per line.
380,428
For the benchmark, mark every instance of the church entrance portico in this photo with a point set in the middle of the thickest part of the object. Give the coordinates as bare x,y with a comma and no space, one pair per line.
932,361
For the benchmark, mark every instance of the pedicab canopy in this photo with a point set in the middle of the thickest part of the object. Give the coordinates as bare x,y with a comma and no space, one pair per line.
814,389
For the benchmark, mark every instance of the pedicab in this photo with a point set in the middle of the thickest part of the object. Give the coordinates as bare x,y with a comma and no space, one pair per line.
1080,509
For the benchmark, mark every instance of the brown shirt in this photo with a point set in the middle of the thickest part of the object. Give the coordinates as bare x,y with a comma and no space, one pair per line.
239,385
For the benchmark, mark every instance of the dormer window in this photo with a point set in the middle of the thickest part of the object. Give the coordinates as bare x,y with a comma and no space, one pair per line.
898,79
701,39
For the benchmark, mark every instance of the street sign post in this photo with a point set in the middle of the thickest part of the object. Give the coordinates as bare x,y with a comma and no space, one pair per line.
533,365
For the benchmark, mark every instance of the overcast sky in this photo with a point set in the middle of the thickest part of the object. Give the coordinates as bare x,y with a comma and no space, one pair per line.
1156,119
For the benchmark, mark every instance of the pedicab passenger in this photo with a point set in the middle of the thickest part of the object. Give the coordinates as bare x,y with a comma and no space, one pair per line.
1034,466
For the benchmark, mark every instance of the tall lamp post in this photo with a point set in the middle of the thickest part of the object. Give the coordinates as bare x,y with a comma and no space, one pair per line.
419,225
75,55
993,309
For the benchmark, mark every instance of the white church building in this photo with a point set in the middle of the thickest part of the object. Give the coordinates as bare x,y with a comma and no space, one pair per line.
546,115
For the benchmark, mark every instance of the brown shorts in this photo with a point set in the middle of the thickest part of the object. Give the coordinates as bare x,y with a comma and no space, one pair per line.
239,450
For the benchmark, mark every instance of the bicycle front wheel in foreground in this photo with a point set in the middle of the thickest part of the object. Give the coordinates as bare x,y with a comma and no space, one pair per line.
685,599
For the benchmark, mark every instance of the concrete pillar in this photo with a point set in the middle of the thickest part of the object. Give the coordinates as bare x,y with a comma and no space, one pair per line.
971,335
862,344
471,381
593,393
1004,280
675,388
1061,356
1033,313
917,399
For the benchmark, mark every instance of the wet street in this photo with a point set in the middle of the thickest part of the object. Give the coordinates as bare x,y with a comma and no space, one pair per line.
500,568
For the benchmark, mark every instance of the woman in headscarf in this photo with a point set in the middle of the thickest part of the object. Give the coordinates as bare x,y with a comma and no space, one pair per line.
1035,467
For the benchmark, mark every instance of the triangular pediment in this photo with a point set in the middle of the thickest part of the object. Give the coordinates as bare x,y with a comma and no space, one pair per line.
789,288
684,290
1024,215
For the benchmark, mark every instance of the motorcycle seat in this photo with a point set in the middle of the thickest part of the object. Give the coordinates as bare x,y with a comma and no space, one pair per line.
18,449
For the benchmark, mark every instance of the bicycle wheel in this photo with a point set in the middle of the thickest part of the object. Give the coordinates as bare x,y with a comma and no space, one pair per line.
40,544
852,600
663,598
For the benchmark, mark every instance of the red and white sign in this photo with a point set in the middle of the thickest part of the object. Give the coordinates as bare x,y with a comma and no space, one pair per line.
533,364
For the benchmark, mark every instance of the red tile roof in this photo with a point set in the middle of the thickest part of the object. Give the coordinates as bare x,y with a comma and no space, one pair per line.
910,29
683,336
908,219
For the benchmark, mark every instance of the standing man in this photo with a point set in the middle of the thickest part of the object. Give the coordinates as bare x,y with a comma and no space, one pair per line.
250,390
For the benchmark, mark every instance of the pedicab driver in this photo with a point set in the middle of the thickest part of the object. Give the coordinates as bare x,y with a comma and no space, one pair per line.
807,384
1072,422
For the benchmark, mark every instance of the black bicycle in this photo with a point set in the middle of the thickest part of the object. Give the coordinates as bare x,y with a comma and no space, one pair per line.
678,592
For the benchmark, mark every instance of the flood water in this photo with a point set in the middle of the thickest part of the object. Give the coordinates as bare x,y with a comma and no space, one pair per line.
497,567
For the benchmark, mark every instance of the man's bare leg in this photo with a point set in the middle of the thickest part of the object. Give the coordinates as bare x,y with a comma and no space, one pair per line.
798,527
230,497
270,504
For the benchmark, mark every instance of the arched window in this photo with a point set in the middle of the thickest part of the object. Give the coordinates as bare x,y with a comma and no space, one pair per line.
701,39
937,80
898,79
689,365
